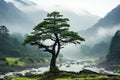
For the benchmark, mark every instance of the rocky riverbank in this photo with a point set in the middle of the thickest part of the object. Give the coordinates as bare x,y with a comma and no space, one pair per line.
63,75
6,69
71,66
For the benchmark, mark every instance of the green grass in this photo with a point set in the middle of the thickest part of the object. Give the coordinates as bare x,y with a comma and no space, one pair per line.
76,79
20,63
83,78
68,76
11,61
24,78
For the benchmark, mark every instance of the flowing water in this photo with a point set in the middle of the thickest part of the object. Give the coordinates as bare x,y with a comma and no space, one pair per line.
73,66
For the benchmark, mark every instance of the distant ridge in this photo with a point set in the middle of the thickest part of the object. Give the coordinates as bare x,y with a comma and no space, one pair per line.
11,16
110,20
100,35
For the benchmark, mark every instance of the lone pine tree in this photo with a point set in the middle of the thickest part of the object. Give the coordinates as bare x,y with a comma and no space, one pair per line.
52,34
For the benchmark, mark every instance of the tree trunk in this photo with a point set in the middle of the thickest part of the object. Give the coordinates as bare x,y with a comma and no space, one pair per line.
53,67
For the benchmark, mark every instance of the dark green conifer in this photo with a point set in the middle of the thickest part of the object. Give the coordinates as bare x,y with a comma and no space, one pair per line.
54,29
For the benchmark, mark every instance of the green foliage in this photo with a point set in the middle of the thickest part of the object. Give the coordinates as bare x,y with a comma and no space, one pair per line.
11,46
3,59
24,78
54,29
15,62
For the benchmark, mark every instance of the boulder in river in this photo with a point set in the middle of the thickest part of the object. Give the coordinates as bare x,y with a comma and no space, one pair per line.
87,71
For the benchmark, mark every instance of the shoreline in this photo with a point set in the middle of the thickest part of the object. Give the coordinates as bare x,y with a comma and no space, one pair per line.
7,69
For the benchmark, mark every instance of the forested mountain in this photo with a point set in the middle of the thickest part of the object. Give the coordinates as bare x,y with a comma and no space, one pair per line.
111,20
99,50
113,57
99,36
13,17
114,51
11,46
20,15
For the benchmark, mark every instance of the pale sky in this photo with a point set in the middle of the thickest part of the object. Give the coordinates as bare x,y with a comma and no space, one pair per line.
96,7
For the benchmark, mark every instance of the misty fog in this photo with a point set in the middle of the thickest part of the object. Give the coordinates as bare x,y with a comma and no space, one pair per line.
80,22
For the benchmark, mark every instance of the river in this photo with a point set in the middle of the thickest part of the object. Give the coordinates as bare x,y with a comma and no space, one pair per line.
73,66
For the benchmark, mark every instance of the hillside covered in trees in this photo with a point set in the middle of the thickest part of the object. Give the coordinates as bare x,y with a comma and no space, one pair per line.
13,53
113,56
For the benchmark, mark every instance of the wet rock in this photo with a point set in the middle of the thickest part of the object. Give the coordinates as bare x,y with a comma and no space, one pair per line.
28,74
88,72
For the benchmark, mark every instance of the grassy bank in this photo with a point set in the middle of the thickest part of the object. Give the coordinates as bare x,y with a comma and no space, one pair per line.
13,61
68,76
